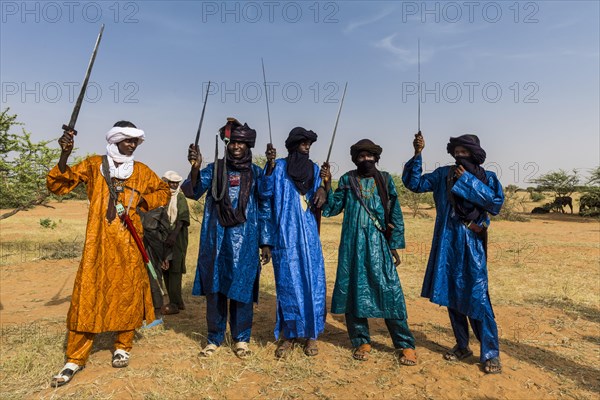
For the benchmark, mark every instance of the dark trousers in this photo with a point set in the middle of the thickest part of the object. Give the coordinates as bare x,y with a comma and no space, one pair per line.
358,330
240,318
485,331
173,284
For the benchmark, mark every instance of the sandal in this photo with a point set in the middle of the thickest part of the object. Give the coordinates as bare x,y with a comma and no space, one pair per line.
361,353
120,358
409,357
492,366
209,350
241,349
284,348
456,353
66,374
169,309
310,348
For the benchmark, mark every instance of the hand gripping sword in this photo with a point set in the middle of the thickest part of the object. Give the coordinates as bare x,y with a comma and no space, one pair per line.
77,107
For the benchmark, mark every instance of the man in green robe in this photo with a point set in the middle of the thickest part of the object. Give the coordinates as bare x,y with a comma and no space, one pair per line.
367,284
176,243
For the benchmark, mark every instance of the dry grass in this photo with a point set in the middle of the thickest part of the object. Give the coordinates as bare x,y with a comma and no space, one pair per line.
544,284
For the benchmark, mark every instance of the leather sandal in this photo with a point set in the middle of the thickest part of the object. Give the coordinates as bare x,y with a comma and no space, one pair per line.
492,366
408,357
456,353
169,309
209,350
66,374
241,349
120,358
284,348
310,348
362,352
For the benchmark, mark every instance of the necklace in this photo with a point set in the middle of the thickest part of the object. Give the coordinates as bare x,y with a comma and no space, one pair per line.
366,193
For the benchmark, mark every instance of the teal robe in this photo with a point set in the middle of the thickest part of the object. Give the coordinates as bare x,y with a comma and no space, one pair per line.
367,283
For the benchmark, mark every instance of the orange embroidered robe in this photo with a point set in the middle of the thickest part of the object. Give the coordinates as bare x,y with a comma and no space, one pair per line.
112,289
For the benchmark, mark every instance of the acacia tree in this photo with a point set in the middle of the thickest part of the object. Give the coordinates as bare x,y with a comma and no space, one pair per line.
594,178
24,165
560,182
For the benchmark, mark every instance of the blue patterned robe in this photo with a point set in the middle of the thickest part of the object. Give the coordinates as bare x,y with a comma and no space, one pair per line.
456,274
297,256
228,260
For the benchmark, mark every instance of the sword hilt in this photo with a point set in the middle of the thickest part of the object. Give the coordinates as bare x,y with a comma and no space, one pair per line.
67,128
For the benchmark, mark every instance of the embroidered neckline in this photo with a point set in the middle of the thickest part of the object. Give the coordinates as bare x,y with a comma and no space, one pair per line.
366,193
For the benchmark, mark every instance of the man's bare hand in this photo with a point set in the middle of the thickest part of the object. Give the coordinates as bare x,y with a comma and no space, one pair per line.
320,197
418,143
164,265
325,175
66,142
396,257
271,153
459,171
194,156
265,254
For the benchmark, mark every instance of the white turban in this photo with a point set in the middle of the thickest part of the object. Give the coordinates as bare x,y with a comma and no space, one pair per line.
172,176
115,135
118,134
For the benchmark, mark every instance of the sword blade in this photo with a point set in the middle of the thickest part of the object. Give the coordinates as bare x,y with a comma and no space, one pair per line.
419,88
336,122
267,99
202,116
86,79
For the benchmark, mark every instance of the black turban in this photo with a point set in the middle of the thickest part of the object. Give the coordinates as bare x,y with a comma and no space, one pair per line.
297,136
469,142
365,145
236,132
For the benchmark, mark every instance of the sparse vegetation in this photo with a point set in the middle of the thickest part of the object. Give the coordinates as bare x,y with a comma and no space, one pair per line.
47,223
542,285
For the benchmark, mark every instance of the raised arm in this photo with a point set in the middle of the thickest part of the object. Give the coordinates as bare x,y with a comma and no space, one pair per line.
336,200
195,189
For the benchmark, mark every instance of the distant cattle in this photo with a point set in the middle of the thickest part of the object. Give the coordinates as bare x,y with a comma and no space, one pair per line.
589,204
562,201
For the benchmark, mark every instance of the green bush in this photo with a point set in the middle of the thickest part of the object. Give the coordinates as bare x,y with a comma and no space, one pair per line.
536,196
47,223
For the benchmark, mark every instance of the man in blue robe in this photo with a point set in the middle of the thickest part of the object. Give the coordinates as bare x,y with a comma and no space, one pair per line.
235,224
456,276
293,184
366,282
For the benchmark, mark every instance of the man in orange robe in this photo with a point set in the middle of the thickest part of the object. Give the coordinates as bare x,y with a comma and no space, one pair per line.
111,290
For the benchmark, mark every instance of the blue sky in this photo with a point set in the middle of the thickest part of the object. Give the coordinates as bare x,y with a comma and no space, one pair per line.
523,76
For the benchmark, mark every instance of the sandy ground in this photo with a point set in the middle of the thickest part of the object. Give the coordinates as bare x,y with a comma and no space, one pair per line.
550,335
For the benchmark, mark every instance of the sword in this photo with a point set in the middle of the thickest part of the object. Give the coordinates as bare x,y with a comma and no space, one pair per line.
270,144
77,107
419,88
336,123
337,119
202,116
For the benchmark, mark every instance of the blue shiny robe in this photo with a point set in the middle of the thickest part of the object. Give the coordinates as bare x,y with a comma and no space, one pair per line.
228,260
456,274
297,257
